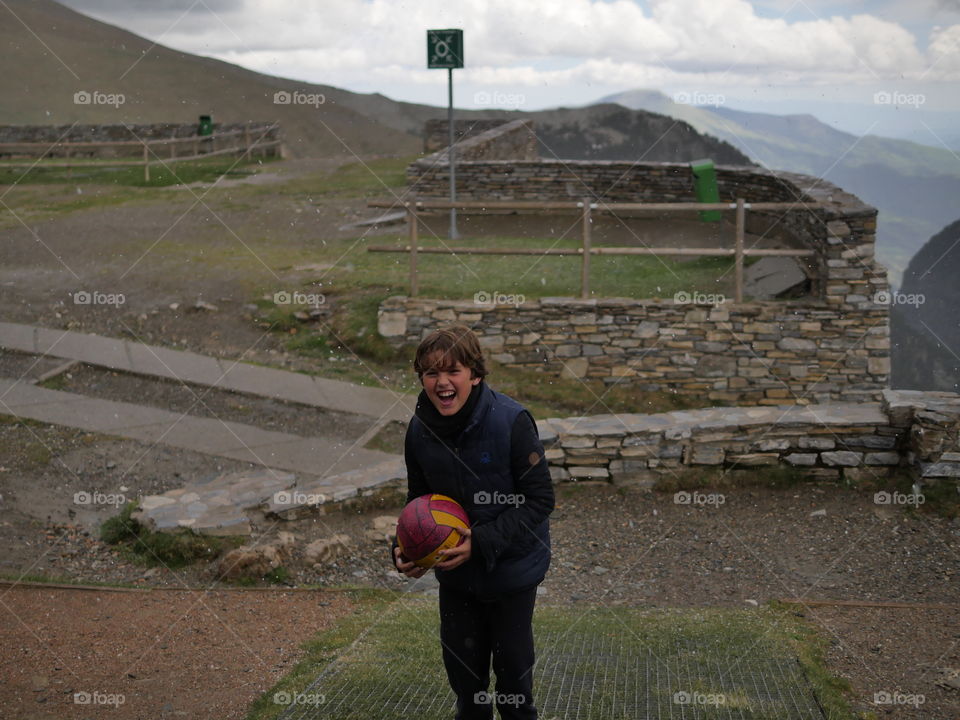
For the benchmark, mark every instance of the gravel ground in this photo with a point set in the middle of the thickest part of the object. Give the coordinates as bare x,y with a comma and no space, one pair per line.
165,654
624,547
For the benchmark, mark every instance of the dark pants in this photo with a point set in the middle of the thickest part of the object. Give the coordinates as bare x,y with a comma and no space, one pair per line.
471,632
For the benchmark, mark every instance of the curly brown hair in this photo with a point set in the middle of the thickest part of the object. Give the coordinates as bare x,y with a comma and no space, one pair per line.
445,347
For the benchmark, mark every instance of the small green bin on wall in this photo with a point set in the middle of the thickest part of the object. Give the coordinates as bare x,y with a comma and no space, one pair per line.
206,125
705,185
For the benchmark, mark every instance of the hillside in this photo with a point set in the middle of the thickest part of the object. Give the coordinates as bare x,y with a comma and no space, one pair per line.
925,337
913,186
72,52
612,132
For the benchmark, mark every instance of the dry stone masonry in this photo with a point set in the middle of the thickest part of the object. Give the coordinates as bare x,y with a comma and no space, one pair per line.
910,432
833,345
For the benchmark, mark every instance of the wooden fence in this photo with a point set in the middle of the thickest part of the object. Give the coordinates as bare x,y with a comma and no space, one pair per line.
585,208
244,141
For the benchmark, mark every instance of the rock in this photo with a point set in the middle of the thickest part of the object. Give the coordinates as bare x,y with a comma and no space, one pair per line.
844,458
749,601
392,324
385,523
772,276
285,538
203,305
818,513
949,678
251,561
327,550
705,455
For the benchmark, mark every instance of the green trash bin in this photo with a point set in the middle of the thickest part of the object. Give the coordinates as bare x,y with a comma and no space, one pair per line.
206,125
705,186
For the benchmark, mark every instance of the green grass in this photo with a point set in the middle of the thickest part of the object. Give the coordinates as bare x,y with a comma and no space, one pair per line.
695,645
173,173
360,179
322,649
171,549
460,277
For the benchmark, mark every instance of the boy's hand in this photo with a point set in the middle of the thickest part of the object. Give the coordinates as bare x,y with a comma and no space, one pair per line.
406,567
455,556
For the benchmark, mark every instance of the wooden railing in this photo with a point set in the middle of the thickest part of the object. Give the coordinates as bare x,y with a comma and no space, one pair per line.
585,208
244,141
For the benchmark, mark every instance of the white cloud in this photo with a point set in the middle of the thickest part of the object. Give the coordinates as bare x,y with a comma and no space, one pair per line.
537,42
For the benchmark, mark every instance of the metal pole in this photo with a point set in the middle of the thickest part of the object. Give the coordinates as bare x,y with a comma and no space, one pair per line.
451,155
412,228
738,252
585,260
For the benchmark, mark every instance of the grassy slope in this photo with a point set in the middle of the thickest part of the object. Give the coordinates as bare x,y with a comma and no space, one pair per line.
162,85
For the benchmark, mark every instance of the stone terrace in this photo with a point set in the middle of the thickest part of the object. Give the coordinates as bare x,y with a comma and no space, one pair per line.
909,432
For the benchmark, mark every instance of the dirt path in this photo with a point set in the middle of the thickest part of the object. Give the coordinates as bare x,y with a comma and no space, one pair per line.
145,656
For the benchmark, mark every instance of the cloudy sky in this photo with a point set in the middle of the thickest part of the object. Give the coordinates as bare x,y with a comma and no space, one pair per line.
826,57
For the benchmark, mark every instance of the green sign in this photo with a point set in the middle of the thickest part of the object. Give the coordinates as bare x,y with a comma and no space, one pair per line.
444,49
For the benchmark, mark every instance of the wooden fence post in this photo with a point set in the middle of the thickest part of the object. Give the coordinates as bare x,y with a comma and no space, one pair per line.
412,225
146,163
585,260
738,251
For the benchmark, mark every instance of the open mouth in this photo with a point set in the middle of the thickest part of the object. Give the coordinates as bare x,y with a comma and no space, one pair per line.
446,397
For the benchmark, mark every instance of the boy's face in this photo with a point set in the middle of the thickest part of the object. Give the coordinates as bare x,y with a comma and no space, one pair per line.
448,385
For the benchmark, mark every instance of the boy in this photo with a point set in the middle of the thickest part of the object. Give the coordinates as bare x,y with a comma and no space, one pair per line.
482,449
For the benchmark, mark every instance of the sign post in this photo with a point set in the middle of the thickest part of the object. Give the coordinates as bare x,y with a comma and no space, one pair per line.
445,51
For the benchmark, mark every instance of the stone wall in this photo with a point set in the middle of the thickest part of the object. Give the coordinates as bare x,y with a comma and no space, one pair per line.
55,134
833,345
908,432
436,135
520,178
509,141
749,353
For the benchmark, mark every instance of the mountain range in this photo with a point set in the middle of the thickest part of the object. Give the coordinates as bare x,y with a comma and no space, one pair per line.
58,52
913,186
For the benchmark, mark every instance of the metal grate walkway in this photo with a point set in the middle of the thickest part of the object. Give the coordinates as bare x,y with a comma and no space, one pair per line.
621,666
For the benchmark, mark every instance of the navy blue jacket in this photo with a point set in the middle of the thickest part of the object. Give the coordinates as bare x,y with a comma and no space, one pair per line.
504,486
